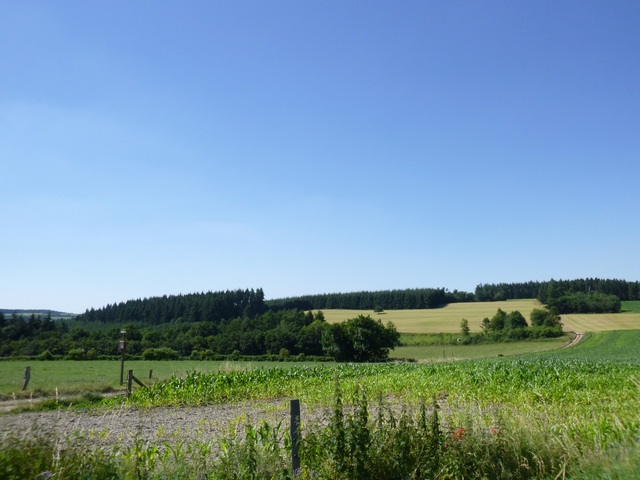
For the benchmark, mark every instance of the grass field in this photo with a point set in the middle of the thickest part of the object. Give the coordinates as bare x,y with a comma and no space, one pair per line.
447,319
69,377
631,306
438,353
618,346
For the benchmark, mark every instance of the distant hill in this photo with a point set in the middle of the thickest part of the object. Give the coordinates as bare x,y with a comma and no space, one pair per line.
43,313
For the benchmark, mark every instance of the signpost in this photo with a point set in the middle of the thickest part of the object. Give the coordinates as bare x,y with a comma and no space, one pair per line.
121,347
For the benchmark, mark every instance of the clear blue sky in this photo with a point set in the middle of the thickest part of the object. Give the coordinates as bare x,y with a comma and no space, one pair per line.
151,148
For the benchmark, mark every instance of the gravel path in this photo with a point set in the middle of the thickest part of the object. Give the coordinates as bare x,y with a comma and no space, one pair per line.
161,424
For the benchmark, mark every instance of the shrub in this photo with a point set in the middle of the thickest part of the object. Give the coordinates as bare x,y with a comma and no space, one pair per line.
77,354
163,353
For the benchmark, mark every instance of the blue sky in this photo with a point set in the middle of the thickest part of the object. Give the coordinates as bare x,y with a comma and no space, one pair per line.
151,148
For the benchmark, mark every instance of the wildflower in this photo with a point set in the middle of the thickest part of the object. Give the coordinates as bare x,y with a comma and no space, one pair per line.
494,431
458,435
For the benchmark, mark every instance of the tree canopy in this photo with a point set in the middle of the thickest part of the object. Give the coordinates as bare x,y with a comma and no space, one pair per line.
360,339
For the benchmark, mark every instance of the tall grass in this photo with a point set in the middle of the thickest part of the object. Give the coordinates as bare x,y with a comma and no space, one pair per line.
359,438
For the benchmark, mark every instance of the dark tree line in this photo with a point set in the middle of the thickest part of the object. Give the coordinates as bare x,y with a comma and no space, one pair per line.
221,307
282,333
214,307
622,289
417,298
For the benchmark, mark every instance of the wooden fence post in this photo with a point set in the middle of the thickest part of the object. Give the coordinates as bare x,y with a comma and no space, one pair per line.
150,373
295,434
26,377
129,381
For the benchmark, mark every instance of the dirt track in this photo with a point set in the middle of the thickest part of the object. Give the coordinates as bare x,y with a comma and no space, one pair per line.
162,424
576,340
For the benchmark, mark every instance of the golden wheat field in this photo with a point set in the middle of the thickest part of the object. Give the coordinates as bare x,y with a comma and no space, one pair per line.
447,319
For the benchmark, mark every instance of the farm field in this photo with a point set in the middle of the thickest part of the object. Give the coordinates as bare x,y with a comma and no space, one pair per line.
73,377
571,413
600,322
447,319
68,377
439,353
436,320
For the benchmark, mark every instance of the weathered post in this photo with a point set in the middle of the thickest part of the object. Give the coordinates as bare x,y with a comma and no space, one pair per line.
129,382
150,373
295,434
26,377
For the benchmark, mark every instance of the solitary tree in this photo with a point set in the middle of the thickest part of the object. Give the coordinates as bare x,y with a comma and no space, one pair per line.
464,327
360,339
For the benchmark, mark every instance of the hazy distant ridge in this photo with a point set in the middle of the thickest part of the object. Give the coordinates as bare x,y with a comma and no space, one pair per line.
19,311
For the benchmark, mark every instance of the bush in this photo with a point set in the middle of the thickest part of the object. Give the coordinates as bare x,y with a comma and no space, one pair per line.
163,353
77,354
46,355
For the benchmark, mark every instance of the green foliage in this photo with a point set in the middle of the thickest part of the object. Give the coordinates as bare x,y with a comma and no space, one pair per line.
513,326
546,292
160,354
591,302
464,327
498,322
360,339
515,320
214,307
541,317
